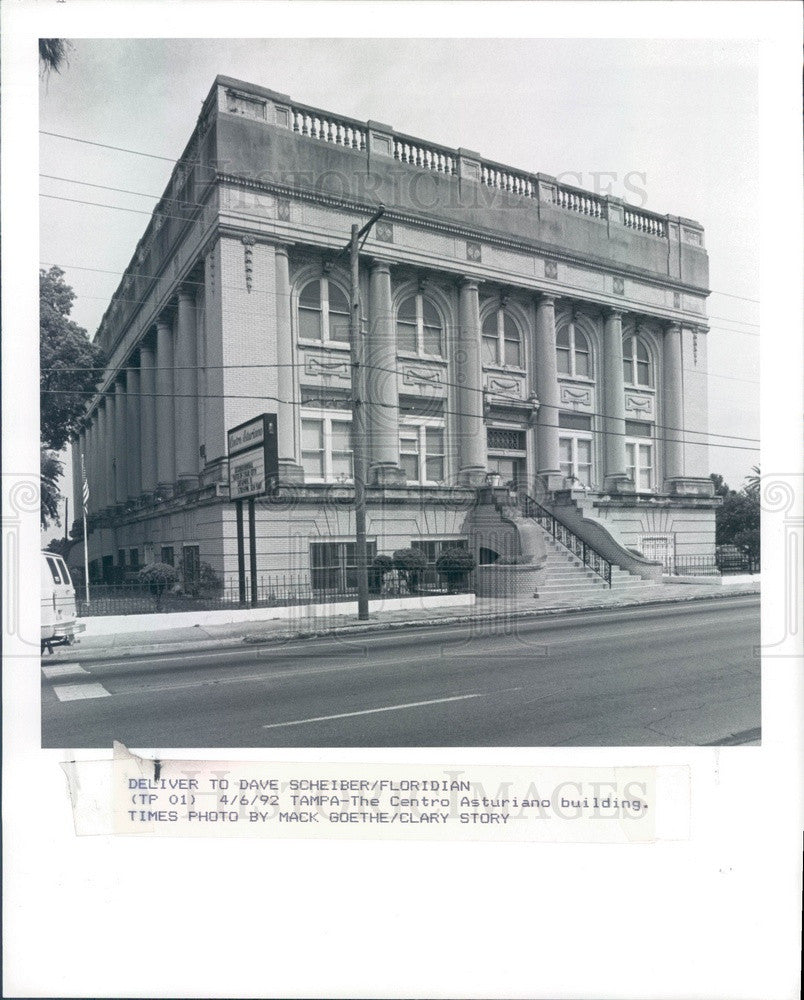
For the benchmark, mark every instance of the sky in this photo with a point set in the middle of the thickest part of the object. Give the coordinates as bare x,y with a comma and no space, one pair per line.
675,122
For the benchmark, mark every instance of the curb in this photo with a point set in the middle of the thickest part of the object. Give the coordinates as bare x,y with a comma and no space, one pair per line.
210,645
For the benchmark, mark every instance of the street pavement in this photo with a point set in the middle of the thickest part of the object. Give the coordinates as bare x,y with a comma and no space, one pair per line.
684,673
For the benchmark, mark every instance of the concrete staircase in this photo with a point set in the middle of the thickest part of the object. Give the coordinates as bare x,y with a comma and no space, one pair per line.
567,578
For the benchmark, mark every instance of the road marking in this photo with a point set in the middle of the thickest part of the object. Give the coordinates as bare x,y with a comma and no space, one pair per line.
63,670
387,708
76,692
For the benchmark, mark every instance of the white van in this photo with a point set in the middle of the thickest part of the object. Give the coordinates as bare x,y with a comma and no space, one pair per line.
58,602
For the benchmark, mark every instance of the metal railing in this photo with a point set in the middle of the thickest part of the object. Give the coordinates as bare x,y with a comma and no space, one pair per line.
721,564
320,586
565,536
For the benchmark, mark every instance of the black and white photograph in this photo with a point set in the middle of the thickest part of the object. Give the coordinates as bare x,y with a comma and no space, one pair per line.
377,440
415,545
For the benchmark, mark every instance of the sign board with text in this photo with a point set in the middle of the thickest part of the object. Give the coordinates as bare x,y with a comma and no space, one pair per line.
253,458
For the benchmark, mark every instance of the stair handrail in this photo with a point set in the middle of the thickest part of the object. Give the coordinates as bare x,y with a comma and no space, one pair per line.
565,536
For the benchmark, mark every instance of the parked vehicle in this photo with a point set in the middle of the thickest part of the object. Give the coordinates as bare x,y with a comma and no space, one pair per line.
59,614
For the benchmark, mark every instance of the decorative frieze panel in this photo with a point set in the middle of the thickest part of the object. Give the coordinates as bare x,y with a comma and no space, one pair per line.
506,386
577,396
322,366
473,251
691,303
283,209
551,269
511,263
639,403
421,376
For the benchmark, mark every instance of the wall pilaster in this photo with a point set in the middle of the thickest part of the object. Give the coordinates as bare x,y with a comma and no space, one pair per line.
471,431
382,394
133,406
165,416
547,465
290,469
186,387
148,441
615,479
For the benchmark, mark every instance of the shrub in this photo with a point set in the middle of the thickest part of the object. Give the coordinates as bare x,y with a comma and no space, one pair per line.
158,577
455,565
411,563
379,567
208,580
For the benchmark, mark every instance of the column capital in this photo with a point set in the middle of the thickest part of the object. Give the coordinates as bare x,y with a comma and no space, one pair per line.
672,327
186,292
546,299
283,248
379,264
613,312
164,319
467,281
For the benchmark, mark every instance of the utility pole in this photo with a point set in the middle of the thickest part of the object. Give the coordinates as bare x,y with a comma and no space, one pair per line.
359,415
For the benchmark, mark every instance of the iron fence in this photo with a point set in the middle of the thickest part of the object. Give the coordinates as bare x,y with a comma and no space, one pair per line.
722,564
273,590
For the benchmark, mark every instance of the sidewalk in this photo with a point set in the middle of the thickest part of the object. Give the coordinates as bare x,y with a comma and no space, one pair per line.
212,637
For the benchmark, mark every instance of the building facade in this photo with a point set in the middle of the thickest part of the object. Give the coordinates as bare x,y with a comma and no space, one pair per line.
515,331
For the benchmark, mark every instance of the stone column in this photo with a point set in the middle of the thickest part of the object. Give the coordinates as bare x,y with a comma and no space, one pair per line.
469,376
290,469
75,463
186,383
121,444
615,480
165,448
133,406
148,445
107,437
673,404
382,396
547,465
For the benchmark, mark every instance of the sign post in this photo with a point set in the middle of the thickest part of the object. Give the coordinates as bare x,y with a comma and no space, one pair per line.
253,472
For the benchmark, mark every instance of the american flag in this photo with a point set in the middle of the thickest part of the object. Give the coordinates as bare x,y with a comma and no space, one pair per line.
84,485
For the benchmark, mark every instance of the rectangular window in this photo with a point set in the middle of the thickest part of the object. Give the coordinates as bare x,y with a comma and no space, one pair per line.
406,335
327,448
421,453
409,455
167,555
638,428
309,323
134,557
575,421
333,565
121,557
639,464
575,458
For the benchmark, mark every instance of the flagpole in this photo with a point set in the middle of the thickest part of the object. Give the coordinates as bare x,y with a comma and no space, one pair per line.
84,492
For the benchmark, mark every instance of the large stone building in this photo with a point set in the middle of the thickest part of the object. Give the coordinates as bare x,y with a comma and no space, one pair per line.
514,327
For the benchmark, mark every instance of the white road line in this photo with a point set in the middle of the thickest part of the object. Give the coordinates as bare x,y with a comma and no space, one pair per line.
387,708
76,692
63,670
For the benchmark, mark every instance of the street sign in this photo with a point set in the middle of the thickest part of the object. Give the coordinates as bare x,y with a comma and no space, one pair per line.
253,458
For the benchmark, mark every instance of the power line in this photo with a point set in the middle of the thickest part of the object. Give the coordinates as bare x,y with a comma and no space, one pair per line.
118,149
442,411
271,366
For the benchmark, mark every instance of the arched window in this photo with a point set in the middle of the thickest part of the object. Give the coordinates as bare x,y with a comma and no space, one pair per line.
636,362
418,327
502,341
323,312
573,355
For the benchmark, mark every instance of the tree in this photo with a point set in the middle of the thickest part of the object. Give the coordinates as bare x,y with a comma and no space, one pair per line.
52,55
737,518
50,472
70,365
721,488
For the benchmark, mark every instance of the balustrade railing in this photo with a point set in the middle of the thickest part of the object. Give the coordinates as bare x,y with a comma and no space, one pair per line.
644,222
588,555
339,131
426,157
